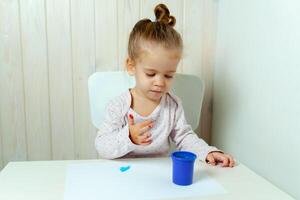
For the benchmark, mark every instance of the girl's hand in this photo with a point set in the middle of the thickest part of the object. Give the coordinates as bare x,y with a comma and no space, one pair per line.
139,132
215,157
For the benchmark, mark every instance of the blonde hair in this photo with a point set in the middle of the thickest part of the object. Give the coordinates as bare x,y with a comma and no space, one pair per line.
160,32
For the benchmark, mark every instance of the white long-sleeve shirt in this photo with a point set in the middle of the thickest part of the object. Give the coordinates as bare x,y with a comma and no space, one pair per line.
169,123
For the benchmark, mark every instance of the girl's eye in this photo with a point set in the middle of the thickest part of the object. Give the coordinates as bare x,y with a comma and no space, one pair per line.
150,75
167,76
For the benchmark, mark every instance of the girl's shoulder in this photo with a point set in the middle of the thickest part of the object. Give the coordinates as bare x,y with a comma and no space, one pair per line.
172,98
121,101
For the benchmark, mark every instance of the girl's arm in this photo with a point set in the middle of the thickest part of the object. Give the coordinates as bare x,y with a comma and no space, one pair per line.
113,140
186,139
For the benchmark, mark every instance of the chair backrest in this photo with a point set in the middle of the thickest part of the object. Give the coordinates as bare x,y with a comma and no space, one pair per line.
104,86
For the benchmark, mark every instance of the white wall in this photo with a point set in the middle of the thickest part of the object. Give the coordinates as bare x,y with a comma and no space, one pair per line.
256,106
48,49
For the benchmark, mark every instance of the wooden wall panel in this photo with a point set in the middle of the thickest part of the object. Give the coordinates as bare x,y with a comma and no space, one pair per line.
83,59
106,25
60,78
128,15
36,79
12,113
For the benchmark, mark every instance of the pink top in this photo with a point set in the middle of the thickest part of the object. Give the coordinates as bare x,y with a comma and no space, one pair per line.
113,140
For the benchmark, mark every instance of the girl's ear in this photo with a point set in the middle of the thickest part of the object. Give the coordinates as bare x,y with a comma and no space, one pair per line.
130,66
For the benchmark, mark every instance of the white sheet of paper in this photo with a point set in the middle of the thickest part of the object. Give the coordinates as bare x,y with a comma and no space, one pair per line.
144,180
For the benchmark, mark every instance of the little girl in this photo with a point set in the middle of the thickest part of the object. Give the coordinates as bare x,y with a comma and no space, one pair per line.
142,121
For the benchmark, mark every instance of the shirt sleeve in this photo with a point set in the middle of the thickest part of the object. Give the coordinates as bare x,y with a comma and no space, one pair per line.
186,139
112,140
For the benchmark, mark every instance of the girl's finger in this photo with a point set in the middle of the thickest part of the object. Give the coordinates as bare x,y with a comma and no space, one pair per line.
211,159
145,136
130,120
145,123
145,139
224,158
231,161
219,156
225,161
145,129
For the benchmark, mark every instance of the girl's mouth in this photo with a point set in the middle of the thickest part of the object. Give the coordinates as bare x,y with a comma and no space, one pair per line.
158,92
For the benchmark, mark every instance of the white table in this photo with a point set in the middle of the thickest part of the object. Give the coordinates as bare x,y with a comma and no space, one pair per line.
36,180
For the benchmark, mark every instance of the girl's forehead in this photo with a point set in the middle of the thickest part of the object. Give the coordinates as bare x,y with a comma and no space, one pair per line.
151,49
159,58
160,62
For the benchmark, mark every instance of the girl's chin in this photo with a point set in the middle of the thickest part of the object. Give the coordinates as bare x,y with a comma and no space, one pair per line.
155,95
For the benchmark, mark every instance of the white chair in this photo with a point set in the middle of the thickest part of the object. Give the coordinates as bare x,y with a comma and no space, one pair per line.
104,86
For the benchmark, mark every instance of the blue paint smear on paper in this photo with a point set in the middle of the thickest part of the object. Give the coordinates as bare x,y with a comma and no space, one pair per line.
124,168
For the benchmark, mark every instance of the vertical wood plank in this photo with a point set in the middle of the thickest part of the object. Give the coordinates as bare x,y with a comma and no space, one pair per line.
34,46
60,78
106,18
192,37
83,59
128,15
12,114
147,9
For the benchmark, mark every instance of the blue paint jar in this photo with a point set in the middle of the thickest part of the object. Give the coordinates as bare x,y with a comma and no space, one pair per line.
183,167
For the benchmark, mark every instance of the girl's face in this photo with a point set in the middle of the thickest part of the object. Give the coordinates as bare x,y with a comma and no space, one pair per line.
154,71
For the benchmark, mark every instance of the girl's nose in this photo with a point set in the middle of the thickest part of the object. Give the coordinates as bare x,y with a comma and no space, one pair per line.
160,81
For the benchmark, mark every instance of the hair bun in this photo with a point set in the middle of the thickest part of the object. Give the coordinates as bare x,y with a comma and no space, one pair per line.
162,15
